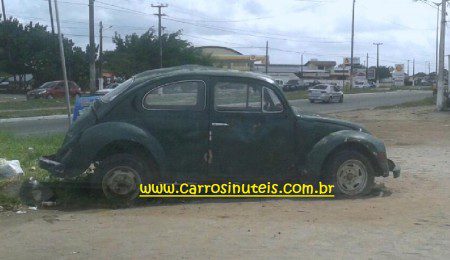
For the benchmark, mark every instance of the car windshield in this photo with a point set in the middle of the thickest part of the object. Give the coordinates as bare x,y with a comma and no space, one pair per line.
117,91
320,87
46,85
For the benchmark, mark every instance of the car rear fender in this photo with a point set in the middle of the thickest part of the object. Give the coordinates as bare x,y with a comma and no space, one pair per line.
364,143
99,136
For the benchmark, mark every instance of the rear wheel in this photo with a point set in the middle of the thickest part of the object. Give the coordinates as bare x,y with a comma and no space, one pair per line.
351,174
119,177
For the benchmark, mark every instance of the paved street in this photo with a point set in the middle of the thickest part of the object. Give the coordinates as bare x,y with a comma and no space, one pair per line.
351,102
363,100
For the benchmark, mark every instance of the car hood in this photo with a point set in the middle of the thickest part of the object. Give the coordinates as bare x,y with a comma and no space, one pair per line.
314,117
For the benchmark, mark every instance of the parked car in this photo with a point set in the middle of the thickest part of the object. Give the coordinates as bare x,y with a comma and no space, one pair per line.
294,84
54,89
325,93
361,84
202,125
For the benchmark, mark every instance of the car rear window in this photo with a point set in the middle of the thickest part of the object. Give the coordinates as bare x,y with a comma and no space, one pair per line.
117,91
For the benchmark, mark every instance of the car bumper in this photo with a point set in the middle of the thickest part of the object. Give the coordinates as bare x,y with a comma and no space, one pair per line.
50,164
395,169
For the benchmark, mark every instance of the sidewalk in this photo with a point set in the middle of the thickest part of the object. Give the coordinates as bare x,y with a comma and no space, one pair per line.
20,119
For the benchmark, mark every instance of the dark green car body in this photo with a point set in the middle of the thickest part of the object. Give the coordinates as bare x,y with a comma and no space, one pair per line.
205,142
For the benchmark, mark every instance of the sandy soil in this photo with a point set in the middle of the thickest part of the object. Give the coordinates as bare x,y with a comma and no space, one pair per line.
405,218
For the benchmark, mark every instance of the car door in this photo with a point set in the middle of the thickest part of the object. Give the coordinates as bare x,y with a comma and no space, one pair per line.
59,90
251,138
175,113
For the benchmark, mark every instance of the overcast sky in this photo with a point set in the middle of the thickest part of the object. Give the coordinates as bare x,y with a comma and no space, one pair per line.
319,28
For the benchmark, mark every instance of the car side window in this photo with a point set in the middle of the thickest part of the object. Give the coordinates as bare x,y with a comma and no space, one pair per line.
237,96
271,102
183,95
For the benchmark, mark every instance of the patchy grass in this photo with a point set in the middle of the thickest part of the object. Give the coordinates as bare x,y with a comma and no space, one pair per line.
33,107
31,113
298,94
28,149
423,102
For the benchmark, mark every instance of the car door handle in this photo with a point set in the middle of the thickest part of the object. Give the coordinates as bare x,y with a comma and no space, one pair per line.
220,124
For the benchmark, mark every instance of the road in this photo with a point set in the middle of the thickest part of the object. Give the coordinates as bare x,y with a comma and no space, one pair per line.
351,102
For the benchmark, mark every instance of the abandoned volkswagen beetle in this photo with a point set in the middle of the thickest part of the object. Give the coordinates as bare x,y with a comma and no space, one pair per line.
202,125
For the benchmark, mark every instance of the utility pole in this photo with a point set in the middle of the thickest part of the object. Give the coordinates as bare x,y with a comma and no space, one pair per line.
440,103
448,75
378,62
437,35
92,77
429,68
267,57
160,15
414,71
301,67
63,62
51,15
100,56
352,45
3,11
408,67
367,66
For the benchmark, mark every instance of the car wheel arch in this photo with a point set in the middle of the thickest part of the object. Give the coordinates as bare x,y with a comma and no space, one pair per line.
95,143
335,142
351,146
128,147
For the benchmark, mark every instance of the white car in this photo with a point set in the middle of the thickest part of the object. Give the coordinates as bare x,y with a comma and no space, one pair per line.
325,93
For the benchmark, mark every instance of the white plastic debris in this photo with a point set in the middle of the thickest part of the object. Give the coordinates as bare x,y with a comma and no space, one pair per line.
10,169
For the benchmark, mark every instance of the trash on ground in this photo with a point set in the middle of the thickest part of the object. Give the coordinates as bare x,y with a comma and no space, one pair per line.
48,203
1,208
33,192
21,212
32,208
10,169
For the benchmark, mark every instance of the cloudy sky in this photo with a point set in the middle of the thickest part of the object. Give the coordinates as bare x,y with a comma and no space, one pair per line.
318,28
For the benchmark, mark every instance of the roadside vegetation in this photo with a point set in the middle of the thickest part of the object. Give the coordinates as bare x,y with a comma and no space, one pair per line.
27,150
429,101
33,107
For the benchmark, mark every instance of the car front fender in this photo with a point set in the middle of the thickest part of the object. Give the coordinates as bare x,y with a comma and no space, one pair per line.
364,142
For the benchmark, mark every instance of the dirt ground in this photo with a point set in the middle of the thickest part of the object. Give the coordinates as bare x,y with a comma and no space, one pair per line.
404,218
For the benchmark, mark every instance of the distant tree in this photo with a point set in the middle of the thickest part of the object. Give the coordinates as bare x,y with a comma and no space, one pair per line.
383,72
136,53
31,49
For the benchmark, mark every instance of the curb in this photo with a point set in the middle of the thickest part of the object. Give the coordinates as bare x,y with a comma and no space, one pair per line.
21,119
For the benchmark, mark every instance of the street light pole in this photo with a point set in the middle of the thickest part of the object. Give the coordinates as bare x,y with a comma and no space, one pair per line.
63,62
437,35
352,45
3,11
92,77
440,102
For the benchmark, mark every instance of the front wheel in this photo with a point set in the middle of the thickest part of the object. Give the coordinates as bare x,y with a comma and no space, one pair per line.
351,174
341,100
